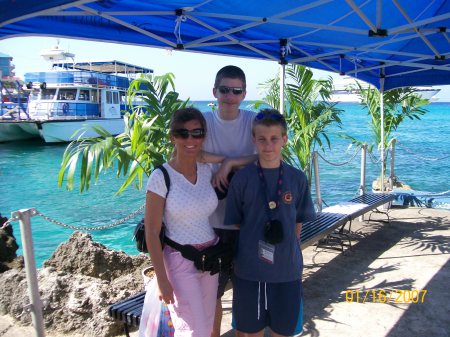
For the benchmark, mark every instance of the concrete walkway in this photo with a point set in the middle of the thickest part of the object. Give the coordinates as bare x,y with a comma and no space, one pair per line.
411,254
394,261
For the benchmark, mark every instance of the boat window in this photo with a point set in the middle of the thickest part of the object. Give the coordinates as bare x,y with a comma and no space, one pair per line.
94,96
48,93
115,97
123,97
108,97
67,94
84,95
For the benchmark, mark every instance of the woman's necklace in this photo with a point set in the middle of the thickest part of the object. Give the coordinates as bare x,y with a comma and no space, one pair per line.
189,173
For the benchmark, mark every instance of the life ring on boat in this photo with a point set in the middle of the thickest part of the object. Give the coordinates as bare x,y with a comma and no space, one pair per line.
44,85
65,108
112,111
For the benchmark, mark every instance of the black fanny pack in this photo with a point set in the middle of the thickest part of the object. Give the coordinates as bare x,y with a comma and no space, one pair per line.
215,259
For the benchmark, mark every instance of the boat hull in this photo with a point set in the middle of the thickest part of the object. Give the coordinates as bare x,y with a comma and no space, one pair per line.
56,131
18,130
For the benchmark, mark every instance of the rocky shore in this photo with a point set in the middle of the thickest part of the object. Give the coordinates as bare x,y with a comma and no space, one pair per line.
77,284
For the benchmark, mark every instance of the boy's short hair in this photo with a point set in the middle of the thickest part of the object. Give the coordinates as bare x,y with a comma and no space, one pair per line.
270,117
230,72
182,116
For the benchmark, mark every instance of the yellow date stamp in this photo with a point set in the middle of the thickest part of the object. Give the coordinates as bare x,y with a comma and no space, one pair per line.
385,296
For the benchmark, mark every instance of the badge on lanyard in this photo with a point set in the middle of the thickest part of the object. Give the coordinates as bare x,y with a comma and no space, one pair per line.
266,252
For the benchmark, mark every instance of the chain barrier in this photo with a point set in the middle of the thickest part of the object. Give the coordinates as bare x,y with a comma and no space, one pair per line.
6,224
98,228
435,194
378,160
340,164
423,158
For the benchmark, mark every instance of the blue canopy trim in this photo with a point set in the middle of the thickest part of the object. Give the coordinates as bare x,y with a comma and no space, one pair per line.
405,42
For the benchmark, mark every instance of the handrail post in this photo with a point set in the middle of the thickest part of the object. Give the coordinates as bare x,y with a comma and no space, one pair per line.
392,173
35,306
362,184
317,180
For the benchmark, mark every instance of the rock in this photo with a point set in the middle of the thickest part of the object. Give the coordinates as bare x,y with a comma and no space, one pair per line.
396,183
82,255
77,284
8,248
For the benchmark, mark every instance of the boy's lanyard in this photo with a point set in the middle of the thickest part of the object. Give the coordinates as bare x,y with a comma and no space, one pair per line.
271,204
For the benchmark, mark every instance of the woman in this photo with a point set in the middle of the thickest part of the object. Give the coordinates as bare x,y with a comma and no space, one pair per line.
189,293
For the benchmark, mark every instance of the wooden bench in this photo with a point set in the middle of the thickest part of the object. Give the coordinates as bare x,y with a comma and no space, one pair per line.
129,310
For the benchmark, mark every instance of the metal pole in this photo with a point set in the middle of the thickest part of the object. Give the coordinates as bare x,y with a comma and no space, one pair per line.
392,173
283,62
282,79
317,180
382,132
35,306
362,184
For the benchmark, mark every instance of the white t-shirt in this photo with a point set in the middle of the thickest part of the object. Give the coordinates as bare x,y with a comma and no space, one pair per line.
231,138
188,205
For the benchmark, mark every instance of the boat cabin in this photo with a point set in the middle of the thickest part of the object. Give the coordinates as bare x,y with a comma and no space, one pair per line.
93,90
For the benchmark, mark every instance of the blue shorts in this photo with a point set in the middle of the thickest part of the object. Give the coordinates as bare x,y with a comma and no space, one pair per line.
281,310
228,236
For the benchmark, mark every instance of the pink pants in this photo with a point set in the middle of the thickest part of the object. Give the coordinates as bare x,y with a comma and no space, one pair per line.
195,296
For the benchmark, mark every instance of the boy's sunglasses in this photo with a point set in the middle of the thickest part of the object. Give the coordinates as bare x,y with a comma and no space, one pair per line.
226,90
185,133
272,116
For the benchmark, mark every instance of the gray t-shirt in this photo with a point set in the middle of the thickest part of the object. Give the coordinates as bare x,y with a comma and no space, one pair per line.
246,206
230,138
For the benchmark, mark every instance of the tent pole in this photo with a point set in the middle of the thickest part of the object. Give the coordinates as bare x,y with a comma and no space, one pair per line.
382,131
283,62
282,78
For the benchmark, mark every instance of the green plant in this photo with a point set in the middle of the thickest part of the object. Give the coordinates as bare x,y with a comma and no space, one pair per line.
133,153
308,113
399,104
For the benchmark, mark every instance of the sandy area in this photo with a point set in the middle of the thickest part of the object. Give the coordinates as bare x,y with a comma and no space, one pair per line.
400,263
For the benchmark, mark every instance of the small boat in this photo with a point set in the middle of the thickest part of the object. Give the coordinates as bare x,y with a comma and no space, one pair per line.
73,97
346,91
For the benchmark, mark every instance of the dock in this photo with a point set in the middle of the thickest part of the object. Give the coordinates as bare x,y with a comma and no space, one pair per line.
393,281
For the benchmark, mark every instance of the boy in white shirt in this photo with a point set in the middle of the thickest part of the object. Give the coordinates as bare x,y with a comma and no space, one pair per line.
230,135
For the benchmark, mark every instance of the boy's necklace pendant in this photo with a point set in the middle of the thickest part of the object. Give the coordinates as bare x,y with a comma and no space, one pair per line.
272,204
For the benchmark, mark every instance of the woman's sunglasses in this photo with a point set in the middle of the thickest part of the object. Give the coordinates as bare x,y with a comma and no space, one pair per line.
185,133
226,90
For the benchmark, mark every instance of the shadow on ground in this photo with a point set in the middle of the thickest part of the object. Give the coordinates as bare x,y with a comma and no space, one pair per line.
325,283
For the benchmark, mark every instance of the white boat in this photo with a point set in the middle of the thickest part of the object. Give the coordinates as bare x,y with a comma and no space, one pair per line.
71,97
345,91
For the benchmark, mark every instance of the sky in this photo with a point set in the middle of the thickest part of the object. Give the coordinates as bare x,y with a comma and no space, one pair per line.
194,72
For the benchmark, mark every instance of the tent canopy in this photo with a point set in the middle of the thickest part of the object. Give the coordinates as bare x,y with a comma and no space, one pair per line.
405,42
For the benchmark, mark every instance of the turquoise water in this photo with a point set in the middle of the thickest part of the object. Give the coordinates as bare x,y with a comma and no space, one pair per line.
28,178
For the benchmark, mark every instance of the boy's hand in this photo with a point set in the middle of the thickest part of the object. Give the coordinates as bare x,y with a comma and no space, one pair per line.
220,178
298,230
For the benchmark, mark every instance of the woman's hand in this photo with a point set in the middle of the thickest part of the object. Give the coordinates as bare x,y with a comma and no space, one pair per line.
166,292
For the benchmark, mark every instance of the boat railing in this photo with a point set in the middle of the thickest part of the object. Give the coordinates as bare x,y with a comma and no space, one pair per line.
67,78
65,110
